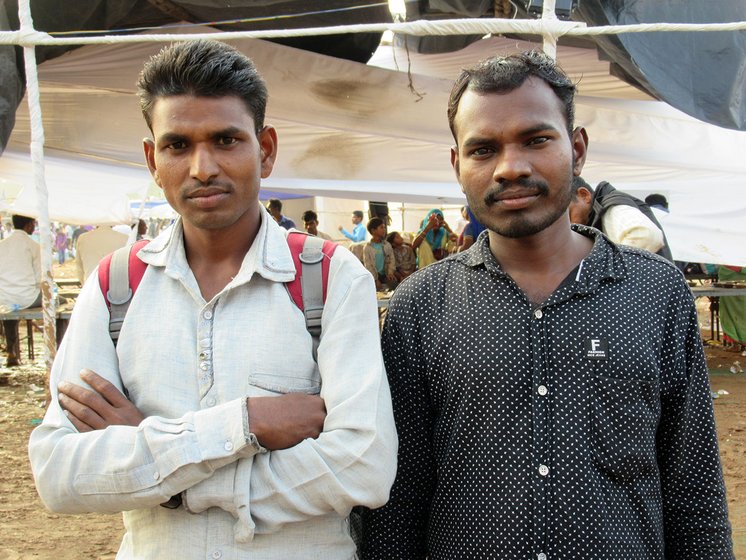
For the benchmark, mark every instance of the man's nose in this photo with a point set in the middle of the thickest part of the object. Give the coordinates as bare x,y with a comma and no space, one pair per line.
511,164
203,164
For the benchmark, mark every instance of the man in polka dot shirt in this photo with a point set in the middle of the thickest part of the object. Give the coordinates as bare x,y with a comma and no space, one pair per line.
549,386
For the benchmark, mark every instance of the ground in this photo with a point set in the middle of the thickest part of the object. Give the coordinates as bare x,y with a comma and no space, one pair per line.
27,530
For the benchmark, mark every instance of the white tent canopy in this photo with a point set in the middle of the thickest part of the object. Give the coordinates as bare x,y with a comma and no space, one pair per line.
349,130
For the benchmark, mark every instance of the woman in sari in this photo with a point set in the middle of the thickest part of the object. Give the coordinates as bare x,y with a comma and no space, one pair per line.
733,310
432,238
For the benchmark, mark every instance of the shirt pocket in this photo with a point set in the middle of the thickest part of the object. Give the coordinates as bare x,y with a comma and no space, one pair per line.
284,384
624,421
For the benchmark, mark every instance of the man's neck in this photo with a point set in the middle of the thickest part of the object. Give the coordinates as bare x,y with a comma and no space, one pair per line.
215,256
540,262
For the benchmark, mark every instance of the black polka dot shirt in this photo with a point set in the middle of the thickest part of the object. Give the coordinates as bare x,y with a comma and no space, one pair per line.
581,428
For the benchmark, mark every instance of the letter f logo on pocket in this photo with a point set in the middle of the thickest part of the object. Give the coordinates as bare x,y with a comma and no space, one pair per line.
596,349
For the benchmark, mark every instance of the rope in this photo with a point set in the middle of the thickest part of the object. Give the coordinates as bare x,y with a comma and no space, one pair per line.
30,37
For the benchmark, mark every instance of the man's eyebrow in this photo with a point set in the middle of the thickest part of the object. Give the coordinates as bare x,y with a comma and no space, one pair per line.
170,138
476,141
539,127
229,131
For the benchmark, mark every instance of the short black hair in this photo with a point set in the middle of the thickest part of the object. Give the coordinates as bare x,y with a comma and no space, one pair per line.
503,74
275,203
390,237
656,199
202,68
358,213
578,182
20,222
310,216
374,223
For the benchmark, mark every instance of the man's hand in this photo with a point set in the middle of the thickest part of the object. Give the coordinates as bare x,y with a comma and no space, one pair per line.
285,421
340,228
99,408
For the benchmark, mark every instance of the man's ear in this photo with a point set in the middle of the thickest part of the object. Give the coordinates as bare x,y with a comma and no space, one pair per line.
268,149
455,165
579,149
148,147
584,195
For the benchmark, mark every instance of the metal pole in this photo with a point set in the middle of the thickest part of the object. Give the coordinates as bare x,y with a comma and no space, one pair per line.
37,159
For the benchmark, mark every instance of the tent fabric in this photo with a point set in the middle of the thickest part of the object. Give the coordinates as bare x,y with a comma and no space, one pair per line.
350,130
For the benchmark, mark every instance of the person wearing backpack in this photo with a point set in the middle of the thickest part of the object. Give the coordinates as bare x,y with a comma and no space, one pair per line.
214,423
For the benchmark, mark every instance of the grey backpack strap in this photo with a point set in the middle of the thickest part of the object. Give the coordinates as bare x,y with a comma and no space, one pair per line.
312,286
120,293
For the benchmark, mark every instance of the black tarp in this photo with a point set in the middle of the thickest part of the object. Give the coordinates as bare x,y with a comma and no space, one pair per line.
700,73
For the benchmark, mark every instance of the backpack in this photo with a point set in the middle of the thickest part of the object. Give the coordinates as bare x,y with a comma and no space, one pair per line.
120,273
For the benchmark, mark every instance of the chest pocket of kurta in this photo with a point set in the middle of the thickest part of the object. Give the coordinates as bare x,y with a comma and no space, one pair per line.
624,420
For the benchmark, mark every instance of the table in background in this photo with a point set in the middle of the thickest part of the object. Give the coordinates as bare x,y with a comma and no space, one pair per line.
32,314
714,293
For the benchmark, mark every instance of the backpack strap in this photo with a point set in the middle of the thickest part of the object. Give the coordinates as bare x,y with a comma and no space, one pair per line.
311,257
119,275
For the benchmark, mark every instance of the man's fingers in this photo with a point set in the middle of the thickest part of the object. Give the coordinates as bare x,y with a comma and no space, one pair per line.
79,425
103,387
83,414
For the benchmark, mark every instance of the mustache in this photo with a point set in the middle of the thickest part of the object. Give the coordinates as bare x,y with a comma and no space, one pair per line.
493,194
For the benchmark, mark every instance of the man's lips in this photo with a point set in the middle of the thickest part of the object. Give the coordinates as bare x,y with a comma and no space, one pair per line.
514,198
208,196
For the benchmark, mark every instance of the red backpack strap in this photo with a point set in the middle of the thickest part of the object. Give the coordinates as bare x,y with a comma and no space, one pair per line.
137,266
119,276
296,240
135,270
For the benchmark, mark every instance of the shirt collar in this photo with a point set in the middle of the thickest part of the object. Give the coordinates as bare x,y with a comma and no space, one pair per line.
269,255
605,261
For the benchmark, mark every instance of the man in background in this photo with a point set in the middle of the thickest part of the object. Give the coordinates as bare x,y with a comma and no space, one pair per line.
357,235
311,225
94,245
624,219
275,209
20,279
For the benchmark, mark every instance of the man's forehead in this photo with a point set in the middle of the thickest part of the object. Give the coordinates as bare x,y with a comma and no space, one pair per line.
533,97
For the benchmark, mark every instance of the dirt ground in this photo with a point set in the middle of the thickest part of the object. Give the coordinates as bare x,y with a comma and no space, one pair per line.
27,530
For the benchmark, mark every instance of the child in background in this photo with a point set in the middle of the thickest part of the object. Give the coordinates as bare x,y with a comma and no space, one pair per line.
406,261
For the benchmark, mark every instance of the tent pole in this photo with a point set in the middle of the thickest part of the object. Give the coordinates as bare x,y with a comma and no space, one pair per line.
550,40
37,159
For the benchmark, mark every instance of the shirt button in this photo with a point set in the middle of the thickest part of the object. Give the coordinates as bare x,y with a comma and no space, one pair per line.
543,470
204,343
202,355
217,554
541,556
542,390
207,314
211,401
156,475
538,314
228,446
203,366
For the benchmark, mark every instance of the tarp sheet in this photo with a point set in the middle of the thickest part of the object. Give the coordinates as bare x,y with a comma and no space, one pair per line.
354,131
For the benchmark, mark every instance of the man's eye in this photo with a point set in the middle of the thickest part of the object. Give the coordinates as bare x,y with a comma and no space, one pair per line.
176,146
538,140
226,140
481,151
